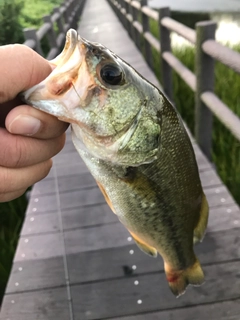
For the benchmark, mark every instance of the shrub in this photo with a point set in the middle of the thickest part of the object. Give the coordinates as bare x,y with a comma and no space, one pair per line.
10,27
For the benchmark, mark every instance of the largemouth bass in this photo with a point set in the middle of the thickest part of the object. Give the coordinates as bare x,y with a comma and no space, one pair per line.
135,145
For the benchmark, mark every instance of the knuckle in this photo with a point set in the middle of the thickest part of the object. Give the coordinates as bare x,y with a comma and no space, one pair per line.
55,145
41,170
62,140
47,165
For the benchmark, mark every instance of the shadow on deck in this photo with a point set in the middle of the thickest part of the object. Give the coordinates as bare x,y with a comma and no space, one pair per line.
76,261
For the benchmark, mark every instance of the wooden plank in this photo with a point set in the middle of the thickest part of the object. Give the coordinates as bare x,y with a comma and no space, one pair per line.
76,182
40,305
46,203
123,297
96,238
71,169
36,274
71,218
226,310
88,216
110,263
219,196
117,262
209,178
68,147
224,218
202,161
118,48
40,223
81,198
43,187
63,158
39,247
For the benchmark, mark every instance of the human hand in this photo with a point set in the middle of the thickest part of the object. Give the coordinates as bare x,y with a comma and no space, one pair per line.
28,137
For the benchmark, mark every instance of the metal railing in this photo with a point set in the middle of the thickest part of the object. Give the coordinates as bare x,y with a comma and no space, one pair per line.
66,16
207,51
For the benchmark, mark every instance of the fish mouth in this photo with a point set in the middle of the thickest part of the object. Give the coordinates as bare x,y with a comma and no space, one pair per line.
51,95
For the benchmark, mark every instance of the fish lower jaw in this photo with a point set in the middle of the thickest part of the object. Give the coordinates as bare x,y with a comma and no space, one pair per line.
52,107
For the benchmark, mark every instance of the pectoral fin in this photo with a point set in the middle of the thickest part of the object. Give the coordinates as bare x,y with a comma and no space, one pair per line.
151,251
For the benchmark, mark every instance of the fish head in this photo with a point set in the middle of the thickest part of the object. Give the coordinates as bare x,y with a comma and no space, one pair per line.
106,101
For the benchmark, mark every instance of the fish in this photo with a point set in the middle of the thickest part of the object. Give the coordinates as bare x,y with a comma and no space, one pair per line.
136,146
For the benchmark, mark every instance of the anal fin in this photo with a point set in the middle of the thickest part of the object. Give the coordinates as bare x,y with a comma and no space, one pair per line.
143,246
200,229
106,196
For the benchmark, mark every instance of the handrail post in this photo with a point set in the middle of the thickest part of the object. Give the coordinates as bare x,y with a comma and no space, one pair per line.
75,16
128,23
146,28
124,16
69,10
204,66
131,30
136,35
165,46
51,34
65,14
81,8
59,20
116,5
31,33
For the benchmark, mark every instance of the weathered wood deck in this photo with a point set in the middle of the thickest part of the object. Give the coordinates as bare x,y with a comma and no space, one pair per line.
76,261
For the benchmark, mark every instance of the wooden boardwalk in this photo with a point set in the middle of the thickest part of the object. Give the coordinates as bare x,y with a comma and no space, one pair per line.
76,261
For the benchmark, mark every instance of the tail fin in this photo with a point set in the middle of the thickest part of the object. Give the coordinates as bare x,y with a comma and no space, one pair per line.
179,280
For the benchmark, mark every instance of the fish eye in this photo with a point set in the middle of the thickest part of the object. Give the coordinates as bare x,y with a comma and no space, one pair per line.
111,74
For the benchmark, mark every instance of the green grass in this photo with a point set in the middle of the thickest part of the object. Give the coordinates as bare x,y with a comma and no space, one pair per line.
225,149
11,219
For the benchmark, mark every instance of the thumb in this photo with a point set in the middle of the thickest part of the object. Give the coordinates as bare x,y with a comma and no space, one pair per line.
21,68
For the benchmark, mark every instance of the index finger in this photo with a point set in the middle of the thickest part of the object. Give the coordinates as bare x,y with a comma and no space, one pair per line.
21,68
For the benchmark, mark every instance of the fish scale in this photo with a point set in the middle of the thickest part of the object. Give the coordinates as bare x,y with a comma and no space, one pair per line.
135,145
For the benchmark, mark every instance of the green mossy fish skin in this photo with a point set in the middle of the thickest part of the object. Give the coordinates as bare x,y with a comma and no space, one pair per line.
135,145
161,201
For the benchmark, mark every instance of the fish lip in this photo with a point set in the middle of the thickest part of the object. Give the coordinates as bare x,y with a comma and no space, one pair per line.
71,42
